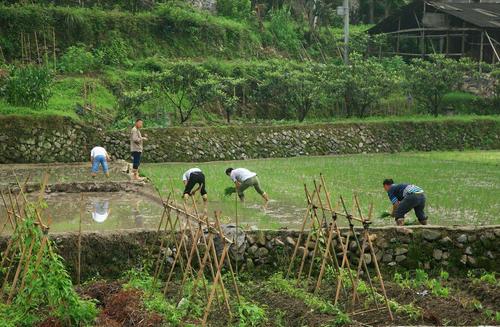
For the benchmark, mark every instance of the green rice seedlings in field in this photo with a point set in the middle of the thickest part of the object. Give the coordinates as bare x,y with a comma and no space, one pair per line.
153,298
279,318
362,288
331,275
410,310
490,314
421,279
278,283
485,277
402,281
250,314
476,305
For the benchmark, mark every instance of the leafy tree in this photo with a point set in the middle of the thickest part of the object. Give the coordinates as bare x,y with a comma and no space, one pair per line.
226,94
187,86
29,86
284,30
130,101
295,89
496,77
362,84
430,80
114,52
234,8
77,59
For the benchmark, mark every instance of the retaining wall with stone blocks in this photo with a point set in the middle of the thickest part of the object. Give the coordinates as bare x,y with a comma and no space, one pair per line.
58,139
109,254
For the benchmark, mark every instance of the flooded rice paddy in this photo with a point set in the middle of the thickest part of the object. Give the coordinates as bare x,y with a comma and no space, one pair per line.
100,211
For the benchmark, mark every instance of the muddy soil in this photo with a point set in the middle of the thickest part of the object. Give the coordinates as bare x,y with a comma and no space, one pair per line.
120,307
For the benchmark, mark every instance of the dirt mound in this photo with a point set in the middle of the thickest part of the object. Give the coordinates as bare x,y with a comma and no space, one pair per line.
51,322
100,290
120,307
126,309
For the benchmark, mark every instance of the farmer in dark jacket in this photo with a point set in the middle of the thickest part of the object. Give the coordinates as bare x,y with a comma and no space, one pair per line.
404,198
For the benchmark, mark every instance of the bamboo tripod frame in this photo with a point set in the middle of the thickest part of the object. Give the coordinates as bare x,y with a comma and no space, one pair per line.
193,237
320,225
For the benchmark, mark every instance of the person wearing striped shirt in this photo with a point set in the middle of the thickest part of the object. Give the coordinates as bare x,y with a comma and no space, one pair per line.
404,198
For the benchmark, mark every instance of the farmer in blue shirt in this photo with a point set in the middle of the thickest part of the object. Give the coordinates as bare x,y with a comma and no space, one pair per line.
404,198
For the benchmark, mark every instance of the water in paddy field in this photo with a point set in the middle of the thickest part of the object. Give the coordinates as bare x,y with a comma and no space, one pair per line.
58,173
107,211
128,210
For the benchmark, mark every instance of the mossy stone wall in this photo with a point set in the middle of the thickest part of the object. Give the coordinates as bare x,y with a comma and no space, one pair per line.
109,254
57,139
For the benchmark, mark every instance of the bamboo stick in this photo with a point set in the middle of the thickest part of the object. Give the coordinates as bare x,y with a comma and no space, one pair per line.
54,47
362,261
212,293
25,272
343,246
306,245
299,239
79,257
37,49
16,275
235,284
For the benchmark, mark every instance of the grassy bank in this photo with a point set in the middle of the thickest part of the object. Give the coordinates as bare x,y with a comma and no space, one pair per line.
462,187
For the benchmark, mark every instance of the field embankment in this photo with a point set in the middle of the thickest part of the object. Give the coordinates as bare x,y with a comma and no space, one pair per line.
453,249
59,139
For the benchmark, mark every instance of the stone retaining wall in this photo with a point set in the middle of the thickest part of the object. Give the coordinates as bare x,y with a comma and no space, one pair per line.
109,254
57,139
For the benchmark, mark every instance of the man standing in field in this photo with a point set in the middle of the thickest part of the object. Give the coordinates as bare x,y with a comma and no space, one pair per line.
99,156
404,198
243,179
191,178
136,147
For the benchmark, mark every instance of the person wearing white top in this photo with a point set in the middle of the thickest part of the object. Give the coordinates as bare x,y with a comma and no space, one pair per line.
192,177
101,211
99,156
243,179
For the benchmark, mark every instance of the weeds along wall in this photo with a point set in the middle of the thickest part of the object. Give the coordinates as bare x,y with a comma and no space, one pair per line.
451,249
57,139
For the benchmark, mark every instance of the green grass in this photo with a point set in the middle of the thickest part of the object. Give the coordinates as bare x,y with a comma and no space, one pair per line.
462,187
68,91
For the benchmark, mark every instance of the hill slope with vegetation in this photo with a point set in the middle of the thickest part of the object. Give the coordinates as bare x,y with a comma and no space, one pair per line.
108,62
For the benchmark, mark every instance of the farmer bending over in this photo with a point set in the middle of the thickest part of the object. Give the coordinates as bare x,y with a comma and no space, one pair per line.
99,156
243,179
404,198
136,147
192,177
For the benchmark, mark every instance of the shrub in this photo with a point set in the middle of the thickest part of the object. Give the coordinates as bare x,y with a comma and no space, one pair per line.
115,52
296,90
283,30
29,86
234,8
431,79
77,59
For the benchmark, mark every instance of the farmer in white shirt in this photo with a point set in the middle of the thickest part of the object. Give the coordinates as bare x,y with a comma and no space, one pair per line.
243,179
192,177
101,211
99,156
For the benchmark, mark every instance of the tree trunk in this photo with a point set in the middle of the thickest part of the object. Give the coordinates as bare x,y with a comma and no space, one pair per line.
387,9
371,11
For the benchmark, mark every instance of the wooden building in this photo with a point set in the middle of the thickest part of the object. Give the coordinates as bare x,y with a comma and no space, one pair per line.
453,28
